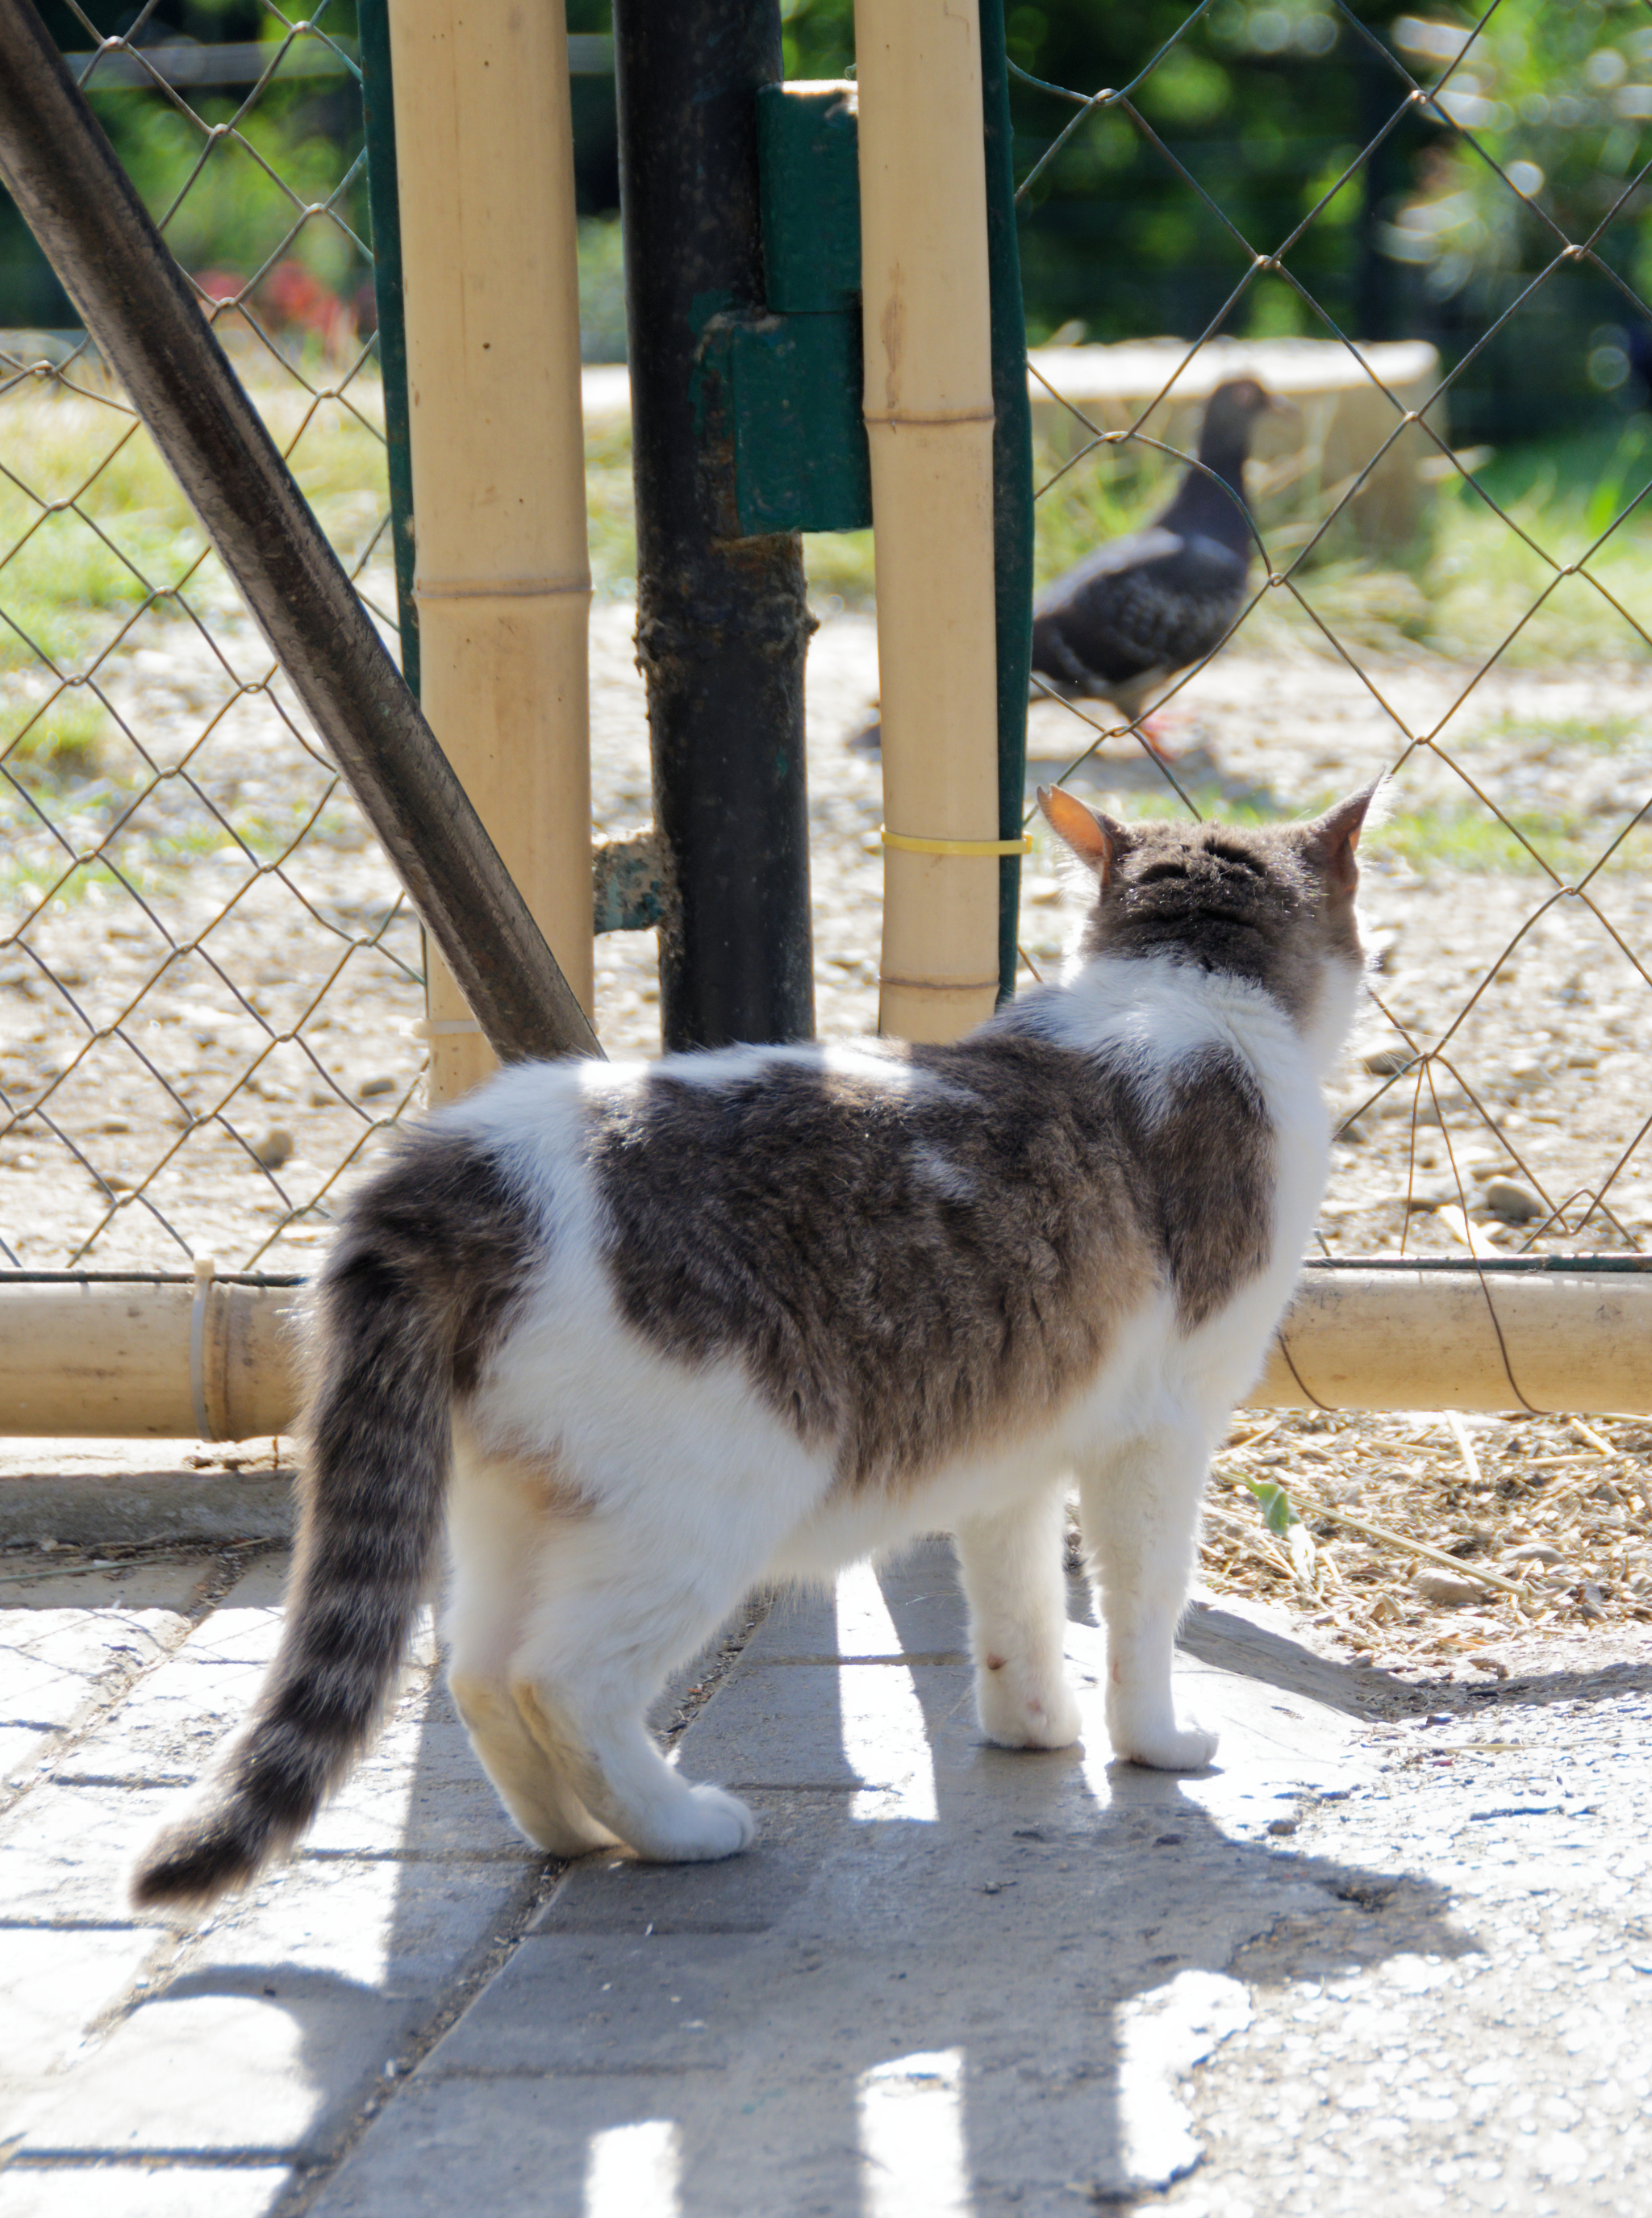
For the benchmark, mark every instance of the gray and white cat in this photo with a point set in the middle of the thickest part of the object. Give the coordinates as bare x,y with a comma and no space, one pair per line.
646,1336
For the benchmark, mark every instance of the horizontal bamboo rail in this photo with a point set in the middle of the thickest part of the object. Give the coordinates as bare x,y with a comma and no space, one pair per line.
216,1360
148,1359
1572,1341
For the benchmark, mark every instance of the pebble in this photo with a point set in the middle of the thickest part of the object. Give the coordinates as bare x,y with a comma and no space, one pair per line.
1282,1825
1513,1203
274,1148
370,1088
1388,1061
1447,1588
1535,1552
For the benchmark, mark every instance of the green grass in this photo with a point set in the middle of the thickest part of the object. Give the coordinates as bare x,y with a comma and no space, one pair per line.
1535,740
1455,837
71,578
69,582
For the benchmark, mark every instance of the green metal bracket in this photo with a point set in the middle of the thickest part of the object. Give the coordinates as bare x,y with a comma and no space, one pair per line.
800,462
809,189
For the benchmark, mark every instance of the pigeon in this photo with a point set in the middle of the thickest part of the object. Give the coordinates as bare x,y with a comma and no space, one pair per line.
1130,617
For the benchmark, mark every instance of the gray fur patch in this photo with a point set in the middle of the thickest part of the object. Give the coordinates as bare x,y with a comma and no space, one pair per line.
792,1219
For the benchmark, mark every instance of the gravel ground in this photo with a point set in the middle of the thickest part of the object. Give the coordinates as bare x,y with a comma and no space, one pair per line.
1545,1087
1552,1051
1463,2039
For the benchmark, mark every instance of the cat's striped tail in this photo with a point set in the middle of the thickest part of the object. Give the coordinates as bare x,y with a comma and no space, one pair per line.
422,1276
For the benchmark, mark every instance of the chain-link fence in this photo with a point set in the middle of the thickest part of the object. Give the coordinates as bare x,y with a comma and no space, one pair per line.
206,977
208,971
1477,623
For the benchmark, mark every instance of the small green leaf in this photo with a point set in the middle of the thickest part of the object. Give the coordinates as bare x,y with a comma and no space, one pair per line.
1274,1503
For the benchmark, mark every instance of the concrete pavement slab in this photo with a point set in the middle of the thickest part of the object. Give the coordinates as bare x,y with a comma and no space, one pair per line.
1367,1962
98,1509
600,2146
1007,1970
231,2075
403,1928
66,1853
181,2190
909,1605
54,1987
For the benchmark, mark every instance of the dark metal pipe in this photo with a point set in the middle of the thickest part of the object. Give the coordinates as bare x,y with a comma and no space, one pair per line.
722,623
137,304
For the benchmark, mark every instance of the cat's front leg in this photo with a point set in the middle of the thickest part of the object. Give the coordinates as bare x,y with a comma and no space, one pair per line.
1012,1578
1140,1510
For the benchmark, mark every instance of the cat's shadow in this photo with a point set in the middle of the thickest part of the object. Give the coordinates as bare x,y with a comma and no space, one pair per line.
982,1957
1001,1936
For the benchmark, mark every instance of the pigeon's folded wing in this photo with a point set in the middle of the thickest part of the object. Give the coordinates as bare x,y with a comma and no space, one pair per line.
1157,601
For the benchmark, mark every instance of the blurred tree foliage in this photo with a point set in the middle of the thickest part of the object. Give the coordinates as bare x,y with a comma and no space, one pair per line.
1292,118
225,215
1266,108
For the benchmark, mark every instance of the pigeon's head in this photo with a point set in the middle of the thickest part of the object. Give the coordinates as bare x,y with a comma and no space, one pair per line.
1272,905
1233,409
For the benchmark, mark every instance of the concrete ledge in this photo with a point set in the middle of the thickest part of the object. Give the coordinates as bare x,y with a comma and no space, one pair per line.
83,1510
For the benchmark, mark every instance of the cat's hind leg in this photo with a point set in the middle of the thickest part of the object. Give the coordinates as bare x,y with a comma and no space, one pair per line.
615,1613
1011,1567
1140,1509
503,1517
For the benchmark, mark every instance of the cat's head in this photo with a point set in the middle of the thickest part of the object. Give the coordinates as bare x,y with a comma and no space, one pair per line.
1274,904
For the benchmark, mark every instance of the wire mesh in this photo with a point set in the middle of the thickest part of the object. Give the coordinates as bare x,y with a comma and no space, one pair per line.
1406,614
207,974
207,969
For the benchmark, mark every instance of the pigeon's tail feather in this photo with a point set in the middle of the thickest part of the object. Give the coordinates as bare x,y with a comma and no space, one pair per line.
417,1293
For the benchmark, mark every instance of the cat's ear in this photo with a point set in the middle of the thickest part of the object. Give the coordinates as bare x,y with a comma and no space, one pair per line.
1097,840
1330,840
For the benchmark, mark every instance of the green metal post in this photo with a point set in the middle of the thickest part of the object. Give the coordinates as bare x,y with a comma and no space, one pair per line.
378,118
1011,480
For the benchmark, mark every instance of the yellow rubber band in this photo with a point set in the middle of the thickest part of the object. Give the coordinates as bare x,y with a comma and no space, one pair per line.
1022,845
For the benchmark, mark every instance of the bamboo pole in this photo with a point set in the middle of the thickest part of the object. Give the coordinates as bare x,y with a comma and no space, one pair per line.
1571,1340
139,1359
502,583
927,324
168,1360
60,170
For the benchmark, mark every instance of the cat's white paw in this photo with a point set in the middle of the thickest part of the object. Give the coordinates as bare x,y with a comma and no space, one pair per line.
1164,1747
1017,1716
705,1825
